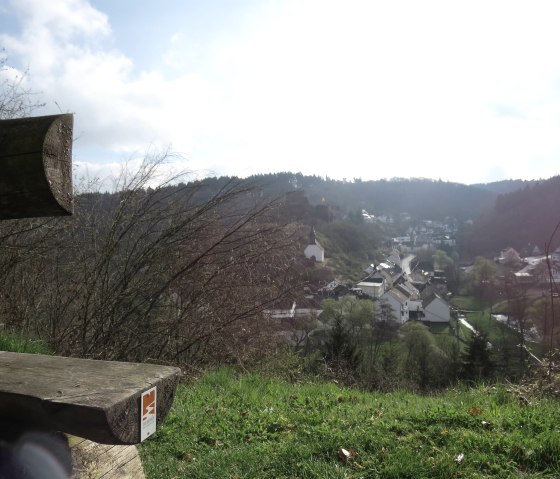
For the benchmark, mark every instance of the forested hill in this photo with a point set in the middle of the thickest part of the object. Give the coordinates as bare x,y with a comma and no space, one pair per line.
504,186
524,217
420,198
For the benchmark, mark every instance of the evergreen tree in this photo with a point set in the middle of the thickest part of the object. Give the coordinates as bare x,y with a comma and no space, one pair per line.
477,361
340,348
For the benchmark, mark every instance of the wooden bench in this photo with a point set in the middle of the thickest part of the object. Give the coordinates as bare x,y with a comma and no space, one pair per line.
97,400
112,403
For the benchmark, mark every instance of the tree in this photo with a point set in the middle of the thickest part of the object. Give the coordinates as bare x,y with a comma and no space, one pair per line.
354,313
349,319
482,278
340,349
16,101
446,263
517,318
477,362
484,270
178,272
424,360
383,329
540,313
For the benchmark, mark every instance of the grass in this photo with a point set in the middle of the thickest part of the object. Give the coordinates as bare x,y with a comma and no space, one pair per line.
495,330
346,266
472,303
17,343
228,426
440,328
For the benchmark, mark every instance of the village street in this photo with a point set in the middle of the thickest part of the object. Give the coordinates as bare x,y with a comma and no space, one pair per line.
405,264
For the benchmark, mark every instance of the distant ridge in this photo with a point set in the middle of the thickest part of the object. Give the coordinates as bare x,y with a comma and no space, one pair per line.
504,186
520,219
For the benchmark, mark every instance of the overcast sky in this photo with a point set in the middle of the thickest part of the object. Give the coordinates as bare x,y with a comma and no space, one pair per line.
465,91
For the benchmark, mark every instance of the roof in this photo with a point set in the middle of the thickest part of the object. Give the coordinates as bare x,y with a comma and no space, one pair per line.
407,289
313,238
401,298
370,269
369,284
431,298
395,257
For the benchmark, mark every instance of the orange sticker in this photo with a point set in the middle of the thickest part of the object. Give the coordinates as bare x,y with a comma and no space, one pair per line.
148,413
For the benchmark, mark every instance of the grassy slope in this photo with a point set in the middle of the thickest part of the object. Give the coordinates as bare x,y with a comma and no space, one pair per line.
468,302
225,426
20,344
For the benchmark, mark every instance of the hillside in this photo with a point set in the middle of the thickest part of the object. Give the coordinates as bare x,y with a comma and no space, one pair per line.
504,186
418,197
521,218
251,426
514,213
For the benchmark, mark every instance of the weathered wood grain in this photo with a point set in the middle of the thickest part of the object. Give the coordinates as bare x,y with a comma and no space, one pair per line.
98,461
97,400
36,167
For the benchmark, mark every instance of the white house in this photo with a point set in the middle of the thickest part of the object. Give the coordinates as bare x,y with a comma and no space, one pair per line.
399,304
373,287
314,250
556,255
436,309
509,256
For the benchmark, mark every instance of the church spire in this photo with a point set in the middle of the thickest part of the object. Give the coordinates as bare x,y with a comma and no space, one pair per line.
312,236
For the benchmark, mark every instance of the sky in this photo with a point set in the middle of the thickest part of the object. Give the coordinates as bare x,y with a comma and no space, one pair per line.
465,91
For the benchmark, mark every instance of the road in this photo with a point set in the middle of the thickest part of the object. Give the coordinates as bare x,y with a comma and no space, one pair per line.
405,263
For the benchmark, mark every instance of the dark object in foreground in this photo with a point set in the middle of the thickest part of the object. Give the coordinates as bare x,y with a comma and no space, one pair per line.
36,455
96,400
36,167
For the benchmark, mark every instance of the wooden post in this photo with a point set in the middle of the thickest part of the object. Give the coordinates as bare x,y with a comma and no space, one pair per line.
36,167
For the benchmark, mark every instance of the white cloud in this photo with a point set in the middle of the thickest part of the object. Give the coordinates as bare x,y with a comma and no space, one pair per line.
399,88
461,91
114,109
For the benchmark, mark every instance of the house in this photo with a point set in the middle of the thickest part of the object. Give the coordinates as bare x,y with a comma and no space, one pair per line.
379,278
367,217
509,256
385,219
556,255
402,240
403,298
374,287
523,277
436,309
406,287
395,259
334,290
444,240
414,303
399,304
314,250
544,276
537,272
419,279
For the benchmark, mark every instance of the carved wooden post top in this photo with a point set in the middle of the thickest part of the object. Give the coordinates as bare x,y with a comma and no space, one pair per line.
36,167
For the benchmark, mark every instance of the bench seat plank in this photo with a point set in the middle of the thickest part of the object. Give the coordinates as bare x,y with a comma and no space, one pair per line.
97,400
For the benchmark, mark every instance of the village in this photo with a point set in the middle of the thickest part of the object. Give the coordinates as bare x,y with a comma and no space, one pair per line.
404,288
402,291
